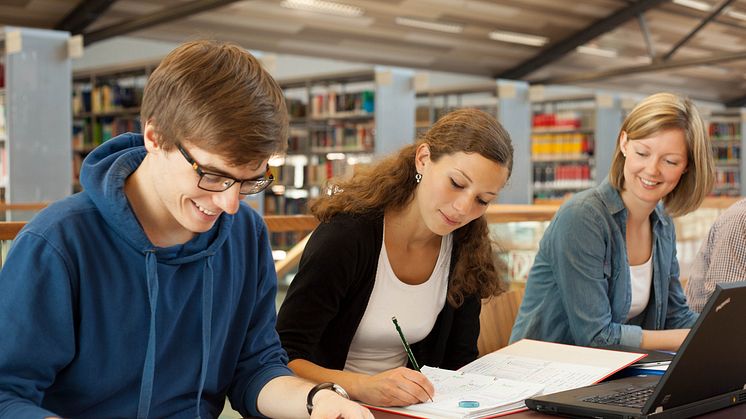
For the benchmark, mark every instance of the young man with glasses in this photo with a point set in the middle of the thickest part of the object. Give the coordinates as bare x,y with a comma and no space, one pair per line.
151,293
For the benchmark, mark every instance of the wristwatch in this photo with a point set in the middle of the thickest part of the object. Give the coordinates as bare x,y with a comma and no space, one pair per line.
324,386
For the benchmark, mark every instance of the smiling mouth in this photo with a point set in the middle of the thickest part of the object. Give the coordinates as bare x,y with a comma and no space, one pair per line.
649,182
205,210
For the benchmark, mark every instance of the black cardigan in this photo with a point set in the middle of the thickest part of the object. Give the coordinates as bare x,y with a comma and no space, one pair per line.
330,293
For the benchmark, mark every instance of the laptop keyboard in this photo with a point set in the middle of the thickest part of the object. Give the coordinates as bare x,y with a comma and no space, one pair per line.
634,397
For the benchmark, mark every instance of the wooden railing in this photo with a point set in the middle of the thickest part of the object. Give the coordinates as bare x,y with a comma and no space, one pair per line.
505,213
500,213
287,223
306,223
9,229
23,206
290,223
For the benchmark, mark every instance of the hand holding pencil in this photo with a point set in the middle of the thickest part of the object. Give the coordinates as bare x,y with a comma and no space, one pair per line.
396,387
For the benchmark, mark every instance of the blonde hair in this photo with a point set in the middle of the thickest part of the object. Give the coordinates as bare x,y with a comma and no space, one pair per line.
390,184
661,112
217,96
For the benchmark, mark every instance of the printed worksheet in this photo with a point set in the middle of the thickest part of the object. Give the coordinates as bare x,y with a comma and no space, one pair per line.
485,395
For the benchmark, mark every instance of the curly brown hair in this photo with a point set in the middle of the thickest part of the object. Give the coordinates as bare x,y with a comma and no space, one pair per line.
390,185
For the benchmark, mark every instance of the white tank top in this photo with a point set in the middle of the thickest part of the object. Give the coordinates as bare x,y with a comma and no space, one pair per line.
376,346
642,279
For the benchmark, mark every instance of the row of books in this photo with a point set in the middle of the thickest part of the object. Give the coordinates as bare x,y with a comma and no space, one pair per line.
725,131
727,179
88,134
340,137
106,98
296,108
3,131
319,174
559,145
422,113
727,152
564,119
330,104
309,175
566,176
297,142
281,204
288,175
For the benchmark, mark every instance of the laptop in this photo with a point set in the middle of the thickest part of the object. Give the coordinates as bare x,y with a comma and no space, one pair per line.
708,372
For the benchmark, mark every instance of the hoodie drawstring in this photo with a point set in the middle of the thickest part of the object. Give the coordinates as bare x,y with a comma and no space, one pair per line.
206,328
148,369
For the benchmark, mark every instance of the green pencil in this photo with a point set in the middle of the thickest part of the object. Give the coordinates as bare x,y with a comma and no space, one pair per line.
407,349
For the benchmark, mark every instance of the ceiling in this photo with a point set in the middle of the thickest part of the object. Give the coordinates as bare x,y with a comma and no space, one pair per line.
709,66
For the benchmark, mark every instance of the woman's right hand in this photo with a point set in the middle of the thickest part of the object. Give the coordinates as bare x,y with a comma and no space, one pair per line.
397,387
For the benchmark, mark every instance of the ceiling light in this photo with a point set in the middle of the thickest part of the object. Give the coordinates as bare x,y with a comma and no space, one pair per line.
322,6
601,52
694,4
519,38
429,24
736,15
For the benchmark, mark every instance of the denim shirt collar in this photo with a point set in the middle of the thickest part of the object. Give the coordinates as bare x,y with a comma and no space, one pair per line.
612,198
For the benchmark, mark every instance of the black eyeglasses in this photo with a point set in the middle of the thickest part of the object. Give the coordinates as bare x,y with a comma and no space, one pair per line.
215,182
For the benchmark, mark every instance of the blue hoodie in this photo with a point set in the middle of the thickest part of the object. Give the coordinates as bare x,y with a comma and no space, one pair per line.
97,322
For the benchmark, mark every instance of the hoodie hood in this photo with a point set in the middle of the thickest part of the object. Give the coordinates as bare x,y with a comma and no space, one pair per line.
103,175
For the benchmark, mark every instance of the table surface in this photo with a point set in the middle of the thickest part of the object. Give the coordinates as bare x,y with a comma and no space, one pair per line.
729,413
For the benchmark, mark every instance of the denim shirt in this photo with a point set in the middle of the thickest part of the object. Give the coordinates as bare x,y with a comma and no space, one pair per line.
579,289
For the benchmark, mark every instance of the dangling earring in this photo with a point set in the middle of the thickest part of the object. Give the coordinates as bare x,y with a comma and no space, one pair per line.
418,177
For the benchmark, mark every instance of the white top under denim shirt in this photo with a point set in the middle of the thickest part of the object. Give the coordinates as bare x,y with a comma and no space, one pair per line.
641,280
579,288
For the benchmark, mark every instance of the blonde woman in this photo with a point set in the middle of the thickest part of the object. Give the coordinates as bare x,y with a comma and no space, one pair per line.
405,238
606,271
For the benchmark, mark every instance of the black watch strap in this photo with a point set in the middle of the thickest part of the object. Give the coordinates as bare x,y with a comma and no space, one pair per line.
323,386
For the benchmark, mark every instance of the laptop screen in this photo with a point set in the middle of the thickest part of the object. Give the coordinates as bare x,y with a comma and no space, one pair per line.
712,359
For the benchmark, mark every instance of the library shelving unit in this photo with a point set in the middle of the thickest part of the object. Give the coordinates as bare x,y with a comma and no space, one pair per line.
106,103
336,122
727,135
433,103
35,138
507,101
572,143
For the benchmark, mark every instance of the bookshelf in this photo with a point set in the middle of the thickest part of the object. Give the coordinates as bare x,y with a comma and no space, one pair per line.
105,103
507,101
338,121
572,143
726,131
433,103
35,138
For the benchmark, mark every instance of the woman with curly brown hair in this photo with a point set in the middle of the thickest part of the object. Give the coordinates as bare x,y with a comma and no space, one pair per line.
407,238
